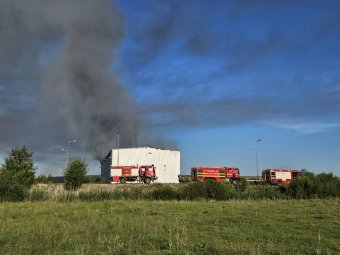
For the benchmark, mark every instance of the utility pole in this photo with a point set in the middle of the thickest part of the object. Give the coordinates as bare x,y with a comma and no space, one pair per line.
68,147
257,162
117,132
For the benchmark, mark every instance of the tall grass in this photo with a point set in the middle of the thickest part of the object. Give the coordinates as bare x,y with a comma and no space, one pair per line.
192,191
303,188
171,227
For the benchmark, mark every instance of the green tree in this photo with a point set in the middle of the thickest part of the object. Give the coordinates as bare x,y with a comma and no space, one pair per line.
309,186
74,174
329,185
304,186
18,168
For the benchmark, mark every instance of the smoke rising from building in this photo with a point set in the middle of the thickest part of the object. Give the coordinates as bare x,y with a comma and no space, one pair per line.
68,48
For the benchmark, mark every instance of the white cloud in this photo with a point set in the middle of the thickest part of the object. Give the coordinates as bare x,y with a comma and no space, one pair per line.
334,89
304,127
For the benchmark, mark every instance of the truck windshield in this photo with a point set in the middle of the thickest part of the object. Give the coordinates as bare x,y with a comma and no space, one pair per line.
148,169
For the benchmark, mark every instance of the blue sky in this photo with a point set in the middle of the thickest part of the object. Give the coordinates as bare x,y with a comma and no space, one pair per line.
222,74
211,78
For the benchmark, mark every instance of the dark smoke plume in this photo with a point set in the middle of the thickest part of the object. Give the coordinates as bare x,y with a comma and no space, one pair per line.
68,48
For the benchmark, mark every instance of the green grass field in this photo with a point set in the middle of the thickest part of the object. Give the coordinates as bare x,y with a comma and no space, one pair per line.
171,227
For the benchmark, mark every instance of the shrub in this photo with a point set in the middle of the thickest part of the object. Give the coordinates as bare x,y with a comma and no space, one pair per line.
216,190
273,192
310,186
37,195
12,192
194,190
283,188
257,192
328,185
210,189
242,185
74,174
164,193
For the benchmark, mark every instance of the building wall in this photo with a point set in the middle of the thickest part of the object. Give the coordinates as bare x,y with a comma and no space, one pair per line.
105,168
167,162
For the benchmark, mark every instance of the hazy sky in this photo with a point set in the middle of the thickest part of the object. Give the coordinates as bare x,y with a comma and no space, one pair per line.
207,77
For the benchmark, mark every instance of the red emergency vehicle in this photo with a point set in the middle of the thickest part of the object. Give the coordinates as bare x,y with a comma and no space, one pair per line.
123,174
219,174
279,176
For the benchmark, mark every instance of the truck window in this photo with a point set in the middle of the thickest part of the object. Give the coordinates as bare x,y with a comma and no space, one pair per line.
267,175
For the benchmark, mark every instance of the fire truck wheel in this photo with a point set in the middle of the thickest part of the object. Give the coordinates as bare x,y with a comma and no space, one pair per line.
122,180
147,180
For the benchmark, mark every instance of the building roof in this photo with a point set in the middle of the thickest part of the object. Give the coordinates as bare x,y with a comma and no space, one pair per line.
146,147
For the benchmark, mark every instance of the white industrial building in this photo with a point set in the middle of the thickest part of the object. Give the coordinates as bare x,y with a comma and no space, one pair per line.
167,162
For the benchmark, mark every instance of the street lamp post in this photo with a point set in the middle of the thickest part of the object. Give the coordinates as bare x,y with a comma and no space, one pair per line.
257,162
68,147
62,149
117,132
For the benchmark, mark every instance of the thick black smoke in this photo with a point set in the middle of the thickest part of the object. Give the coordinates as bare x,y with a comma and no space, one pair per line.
61,54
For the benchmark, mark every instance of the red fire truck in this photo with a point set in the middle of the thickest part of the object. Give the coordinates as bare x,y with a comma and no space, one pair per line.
279,176
122,174
219,174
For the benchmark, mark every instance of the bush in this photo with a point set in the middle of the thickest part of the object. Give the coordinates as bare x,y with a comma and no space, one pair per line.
310,186
37,195
242,185
74,174
283,188
210,189
12,192
328,185
193,191
164,193
216,190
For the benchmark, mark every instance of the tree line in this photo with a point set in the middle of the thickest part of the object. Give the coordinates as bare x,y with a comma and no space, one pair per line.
17,174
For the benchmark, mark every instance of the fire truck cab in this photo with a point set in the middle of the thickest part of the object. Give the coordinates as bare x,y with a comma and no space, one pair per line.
147,174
